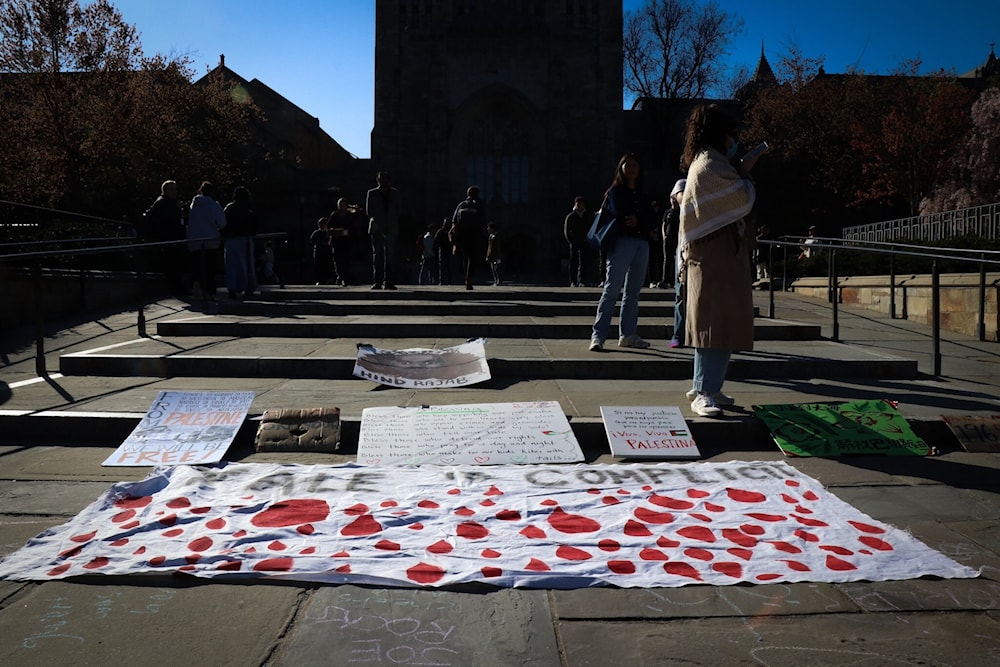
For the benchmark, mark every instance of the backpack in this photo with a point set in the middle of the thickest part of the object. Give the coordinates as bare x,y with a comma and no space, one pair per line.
468,221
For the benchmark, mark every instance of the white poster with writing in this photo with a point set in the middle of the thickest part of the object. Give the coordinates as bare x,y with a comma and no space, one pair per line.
184,428
474,434
417,368
649,431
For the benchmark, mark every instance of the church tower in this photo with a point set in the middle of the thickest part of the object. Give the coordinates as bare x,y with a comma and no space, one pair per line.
520,97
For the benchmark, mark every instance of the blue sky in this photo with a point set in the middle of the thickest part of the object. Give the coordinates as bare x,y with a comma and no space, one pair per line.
320,53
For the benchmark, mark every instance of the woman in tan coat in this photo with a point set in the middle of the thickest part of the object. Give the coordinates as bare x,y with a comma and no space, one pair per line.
715,248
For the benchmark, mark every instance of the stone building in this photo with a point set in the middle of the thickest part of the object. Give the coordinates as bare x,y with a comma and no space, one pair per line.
520,97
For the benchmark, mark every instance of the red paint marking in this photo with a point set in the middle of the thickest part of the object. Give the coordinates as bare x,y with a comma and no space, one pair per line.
768,577
649,516
240,533
809,495
610,500
493,491
712,507
230,565
440,547
772,518
340,554
305,529
789,499
488,503
795,565
490,572
699,533
867,528
465,511
681,569
621,566
200,510
548,502
784,546
533,532
69,553
471,530
834,563
699,554
123,516
670,503
509,515
356,510
132,502
416,526
174,532
120,543
84,537
388,503
635,529
841,551
59,569
425,573
567,552
277,545
179,503
730,569
387,545
216,524
97,563
572,523
806,535
139,551
697,493
201,544
536,565
308,551
191,559
157,561
609,545
745,554
130,525
593,491
428,504
169,520
343,569
875,543
791,482
274,565
653,554
490,553
805,521
454,492
292,512
739,537
744,496
700,517
363,525
802,510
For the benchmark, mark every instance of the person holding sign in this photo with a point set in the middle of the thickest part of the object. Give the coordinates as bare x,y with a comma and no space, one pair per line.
715,245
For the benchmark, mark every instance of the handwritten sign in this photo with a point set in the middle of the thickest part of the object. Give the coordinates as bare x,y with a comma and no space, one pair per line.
648,432
473,434
836,429
416,368
975,433
184,428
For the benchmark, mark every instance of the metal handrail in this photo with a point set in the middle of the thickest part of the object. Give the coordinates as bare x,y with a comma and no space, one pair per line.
36,266
824,243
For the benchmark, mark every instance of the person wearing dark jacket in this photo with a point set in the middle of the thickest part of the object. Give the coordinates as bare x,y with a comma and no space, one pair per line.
575,228
164,221
627,261
241,226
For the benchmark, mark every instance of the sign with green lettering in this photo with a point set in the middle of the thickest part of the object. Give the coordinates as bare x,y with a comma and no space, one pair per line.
841,429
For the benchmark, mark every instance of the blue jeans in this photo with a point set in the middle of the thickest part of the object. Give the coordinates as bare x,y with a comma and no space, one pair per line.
239,262
383,259
625,266
710,366
680,304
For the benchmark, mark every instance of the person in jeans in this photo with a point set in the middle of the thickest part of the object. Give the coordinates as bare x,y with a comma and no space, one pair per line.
627,260
715,244
671,225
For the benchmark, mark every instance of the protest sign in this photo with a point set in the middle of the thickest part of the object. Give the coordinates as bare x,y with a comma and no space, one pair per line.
184,427
417,368
976,433
648,432
837,429
474,434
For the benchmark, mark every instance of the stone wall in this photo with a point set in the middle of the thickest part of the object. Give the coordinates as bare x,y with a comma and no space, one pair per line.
959,298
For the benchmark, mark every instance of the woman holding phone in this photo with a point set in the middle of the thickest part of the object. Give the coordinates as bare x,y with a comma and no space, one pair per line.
715,244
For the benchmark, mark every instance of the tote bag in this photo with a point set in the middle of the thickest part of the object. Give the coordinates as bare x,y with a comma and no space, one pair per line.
604,232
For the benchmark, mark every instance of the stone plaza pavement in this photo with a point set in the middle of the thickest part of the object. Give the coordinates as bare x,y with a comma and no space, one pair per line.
59,428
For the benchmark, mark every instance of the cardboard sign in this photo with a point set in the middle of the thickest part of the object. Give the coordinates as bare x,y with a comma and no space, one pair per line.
655,431
838,429
975,433
459,366
184,428
474,434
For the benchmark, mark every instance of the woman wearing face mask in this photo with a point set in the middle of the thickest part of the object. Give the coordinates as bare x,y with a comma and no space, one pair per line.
714,246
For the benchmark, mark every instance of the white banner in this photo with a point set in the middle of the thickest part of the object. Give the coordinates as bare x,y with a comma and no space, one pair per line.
568,526
417,368
470,434
184,428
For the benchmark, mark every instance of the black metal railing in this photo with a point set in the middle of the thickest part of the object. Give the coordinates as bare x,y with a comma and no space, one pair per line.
984,258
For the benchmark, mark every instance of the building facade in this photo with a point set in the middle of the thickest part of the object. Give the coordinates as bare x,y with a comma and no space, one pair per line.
520,97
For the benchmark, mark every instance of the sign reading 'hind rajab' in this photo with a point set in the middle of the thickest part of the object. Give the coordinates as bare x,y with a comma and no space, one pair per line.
838,429
184,428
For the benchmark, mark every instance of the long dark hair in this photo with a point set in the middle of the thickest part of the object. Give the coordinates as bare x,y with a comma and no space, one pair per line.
707,127
619,179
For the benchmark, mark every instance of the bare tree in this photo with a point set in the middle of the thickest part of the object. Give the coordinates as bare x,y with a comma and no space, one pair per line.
674,49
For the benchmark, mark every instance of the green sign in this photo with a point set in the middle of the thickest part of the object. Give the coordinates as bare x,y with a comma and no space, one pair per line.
841,429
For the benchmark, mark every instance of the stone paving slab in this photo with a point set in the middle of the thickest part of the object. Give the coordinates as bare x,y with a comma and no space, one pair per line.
827,639
167,624
346,625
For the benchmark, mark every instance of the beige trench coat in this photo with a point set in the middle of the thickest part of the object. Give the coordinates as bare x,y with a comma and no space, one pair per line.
719,311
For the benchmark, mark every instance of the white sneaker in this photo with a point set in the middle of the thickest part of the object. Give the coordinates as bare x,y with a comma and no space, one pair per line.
720,398
704,405
633,341
596,344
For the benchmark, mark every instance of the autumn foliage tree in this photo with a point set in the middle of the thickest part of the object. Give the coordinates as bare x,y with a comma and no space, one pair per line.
92,125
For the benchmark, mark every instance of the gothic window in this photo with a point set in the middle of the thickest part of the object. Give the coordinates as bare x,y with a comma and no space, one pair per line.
498,162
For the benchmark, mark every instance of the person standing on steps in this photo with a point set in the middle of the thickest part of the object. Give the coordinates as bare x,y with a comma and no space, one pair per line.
467,232
671,225
383,207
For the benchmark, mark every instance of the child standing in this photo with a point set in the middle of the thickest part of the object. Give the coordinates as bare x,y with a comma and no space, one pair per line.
493,256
